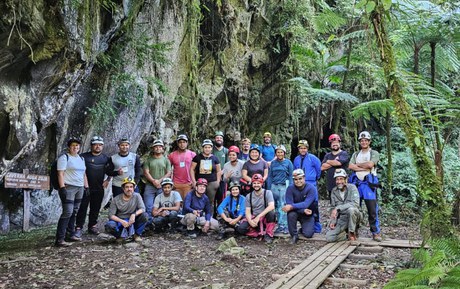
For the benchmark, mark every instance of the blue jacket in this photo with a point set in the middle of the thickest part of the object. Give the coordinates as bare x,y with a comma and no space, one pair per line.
301,199
192,202
280,172
267,152
239,208
311,166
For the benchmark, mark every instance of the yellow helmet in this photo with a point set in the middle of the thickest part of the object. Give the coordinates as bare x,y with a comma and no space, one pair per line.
128,180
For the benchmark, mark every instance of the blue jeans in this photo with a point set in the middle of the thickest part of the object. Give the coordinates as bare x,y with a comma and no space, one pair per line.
115,228
279,194
162,222
150,193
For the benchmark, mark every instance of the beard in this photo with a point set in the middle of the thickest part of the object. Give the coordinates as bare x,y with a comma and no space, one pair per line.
218,144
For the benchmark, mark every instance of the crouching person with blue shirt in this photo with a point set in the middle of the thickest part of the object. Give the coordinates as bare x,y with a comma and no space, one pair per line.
300,203
197,210
127,216
231,210
166,207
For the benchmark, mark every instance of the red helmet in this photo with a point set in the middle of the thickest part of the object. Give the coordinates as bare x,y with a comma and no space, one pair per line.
334,137
202,181
234,149
257,178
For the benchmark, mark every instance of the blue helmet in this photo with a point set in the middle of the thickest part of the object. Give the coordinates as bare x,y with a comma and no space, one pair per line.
254,147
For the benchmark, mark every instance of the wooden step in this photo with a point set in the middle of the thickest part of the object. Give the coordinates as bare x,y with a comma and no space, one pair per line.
347,281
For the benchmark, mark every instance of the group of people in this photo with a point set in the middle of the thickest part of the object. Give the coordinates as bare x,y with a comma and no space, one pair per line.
254,190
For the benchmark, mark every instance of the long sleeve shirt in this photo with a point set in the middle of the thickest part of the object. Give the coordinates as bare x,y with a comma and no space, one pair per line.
193,202
311,166
281,171
234,207
301,199
348,199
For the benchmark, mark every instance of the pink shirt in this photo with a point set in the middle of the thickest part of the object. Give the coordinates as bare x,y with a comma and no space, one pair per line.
181,163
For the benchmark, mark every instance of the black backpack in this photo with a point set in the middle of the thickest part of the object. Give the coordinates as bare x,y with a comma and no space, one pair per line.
54,181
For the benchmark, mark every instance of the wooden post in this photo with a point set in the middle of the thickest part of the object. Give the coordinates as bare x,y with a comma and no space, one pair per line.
26,211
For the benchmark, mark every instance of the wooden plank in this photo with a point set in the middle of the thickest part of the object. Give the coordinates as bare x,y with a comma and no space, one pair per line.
286,277
347,281
317,277
316,237
389,243
370,249
356,266
302,279
26,210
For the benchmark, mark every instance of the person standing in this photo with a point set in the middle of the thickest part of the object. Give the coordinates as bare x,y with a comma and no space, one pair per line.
267,149
72,183
181,161
300,203
345,214
122,165
156,168
255,165
221,152
333,160
311,166
232,169
207,166
127,215
363,164
96,162
245,146
280,174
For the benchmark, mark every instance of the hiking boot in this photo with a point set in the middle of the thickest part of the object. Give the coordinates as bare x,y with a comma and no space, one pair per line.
191,234
351,236
285,231
377,237
74,239
268,239
62,243
93,231
137,238
220,236
119,240
279,230
78,233
294,239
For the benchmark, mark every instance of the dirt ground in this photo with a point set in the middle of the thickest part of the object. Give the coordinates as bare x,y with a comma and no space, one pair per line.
175,261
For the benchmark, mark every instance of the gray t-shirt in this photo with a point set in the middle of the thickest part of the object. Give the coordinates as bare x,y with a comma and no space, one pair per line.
123,209
170,201
258,203
236,171
74,169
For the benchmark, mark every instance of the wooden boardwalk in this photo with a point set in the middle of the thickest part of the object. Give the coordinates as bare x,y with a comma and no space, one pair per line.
317,268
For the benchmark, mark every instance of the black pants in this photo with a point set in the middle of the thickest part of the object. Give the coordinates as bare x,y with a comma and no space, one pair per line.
243,228
94,201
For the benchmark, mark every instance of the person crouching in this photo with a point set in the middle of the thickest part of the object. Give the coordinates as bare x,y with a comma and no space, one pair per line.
231,210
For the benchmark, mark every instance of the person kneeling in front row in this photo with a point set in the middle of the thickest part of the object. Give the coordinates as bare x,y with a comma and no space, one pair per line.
127,216
345,214
231,210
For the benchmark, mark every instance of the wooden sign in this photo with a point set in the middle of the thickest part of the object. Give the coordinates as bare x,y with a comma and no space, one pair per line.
26,181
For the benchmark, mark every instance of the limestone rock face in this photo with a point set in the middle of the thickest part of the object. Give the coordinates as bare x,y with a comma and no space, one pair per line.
137,69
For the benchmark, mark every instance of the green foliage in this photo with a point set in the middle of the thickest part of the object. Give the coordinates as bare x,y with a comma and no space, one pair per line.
148,52
102,112
437,267
373,109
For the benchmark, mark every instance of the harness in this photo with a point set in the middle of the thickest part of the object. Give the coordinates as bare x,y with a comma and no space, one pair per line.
234,212
265,200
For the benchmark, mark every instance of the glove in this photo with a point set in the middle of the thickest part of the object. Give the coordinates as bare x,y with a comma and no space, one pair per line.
86,192
62,191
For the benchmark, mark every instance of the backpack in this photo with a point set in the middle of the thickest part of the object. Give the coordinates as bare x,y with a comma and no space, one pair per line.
265,199
54,181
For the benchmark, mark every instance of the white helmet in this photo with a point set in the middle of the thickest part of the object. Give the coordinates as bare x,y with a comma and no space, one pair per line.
340,173
364,134
281,147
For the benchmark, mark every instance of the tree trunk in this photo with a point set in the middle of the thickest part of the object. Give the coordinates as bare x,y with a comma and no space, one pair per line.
416,58
389,152
436,222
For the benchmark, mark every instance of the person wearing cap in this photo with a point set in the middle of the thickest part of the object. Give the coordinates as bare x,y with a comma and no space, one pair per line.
259,212
197,210
245,146
232,169
301,200
345,213
231,210
96,162
166,207
267,149
311,166
363,164
181,161
221,152
280,174
127,213
122,165
207,166
335,159
72,184
156,168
